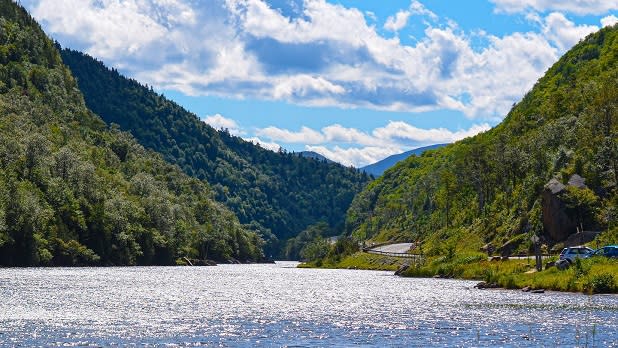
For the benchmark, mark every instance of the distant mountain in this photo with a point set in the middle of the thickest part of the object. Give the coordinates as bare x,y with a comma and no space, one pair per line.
277,194
314,155
376,169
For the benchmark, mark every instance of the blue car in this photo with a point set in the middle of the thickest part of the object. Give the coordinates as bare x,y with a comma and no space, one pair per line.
607,251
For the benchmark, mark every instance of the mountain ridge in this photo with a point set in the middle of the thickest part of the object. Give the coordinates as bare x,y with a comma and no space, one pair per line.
487,190
276,194
378,168
315,155
75,192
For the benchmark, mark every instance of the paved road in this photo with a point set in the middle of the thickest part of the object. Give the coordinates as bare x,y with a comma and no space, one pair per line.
393,248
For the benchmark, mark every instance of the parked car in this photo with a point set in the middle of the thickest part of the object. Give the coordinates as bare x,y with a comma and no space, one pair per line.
607,251
571,253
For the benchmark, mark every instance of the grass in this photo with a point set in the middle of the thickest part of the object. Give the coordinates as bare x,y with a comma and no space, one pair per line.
359,260
595,275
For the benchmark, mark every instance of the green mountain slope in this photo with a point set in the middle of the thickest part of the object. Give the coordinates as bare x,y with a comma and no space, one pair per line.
378,168
276,194
492,188
75,192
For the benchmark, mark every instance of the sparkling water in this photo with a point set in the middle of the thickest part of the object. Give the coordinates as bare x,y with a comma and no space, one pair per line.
280,305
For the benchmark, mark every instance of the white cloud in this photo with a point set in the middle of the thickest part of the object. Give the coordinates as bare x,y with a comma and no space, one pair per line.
351,146
402,132
609,20
564,33
325,54
354,156
268,145
397,22
305,135
111,27
400,20
580,7
302,85
419,9
217,121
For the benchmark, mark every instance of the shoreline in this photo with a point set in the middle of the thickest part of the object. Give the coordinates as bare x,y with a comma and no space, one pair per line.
598,276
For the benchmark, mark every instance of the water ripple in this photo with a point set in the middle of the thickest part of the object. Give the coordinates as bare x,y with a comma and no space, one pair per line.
276,305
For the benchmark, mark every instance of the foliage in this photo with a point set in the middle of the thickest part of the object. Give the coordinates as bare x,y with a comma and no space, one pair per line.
277,194
602,283
490,186
359,260
314,250
74,192
592,275
295,246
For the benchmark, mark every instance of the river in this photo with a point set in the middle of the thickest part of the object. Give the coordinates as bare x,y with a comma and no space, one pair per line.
279,305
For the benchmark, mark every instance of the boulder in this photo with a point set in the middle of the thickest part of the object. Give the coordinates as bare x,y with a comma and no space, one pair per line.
557,224
577,181
486,285
581,238
402,269
562,264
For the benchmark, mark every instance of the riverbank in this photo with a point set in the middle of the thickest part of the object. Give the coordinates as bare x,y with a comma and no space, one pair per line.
596,275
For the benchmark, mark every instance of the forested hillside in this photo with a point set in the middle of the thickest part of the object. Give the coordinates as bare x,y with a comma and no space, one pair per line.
378,168
490,188
76,192
275,194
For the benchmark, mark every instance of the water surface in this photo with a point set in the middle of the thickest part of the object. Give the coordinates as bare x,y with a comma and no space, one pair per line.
278,305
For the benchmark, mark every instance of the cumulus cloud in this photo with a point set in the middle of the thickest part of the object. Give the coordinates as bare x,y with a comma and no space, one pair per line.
354,156
609,20
316,52
351,146
397,22
268,145
564,33
217,121
305,135
580,7
111,28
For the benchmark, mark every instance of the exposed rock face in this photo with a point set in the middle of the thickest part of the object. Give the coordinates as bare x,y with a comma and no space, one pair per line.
558,225
580,238
577,181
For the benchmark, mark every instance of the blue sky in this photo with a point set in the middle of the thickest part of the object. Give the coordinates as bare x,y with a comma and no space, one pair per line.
356,81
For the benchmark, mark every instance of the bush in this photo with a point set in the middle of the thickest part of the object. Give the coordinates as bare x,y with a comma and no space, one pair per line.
602,283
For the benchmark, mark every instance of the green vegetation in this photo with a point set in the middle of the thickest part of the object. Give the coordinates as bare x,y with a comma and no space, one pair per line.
276,194
75,192
594,275
358,260
309,244
489,188
488,193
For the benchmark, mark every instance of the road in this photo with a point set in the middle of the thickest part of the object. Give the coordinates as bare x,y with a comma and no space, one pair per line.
398,248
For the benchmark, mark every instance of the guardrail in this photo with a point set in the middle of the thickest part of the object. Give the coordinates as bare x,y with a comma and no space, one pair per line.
386,253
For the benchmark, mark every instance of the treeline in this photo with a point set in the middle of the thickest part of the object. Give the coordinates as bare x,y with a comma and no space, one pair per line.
277,195
487,189
76,192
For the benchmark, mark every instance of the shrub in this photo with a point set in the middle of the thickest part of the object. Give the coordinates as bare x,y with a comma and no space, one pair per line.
602,283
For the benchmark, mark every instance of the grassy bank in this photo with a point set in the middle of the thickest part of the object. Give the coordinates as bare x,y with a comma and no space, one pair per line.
597,275
359,260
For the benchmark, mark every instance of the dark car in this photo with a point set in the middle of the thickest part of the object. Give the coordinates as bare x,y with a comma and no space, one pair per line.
607,251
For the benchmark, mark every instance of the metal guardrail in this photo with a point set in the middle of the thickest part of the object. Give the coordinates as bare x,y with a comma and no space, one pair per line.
386,253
